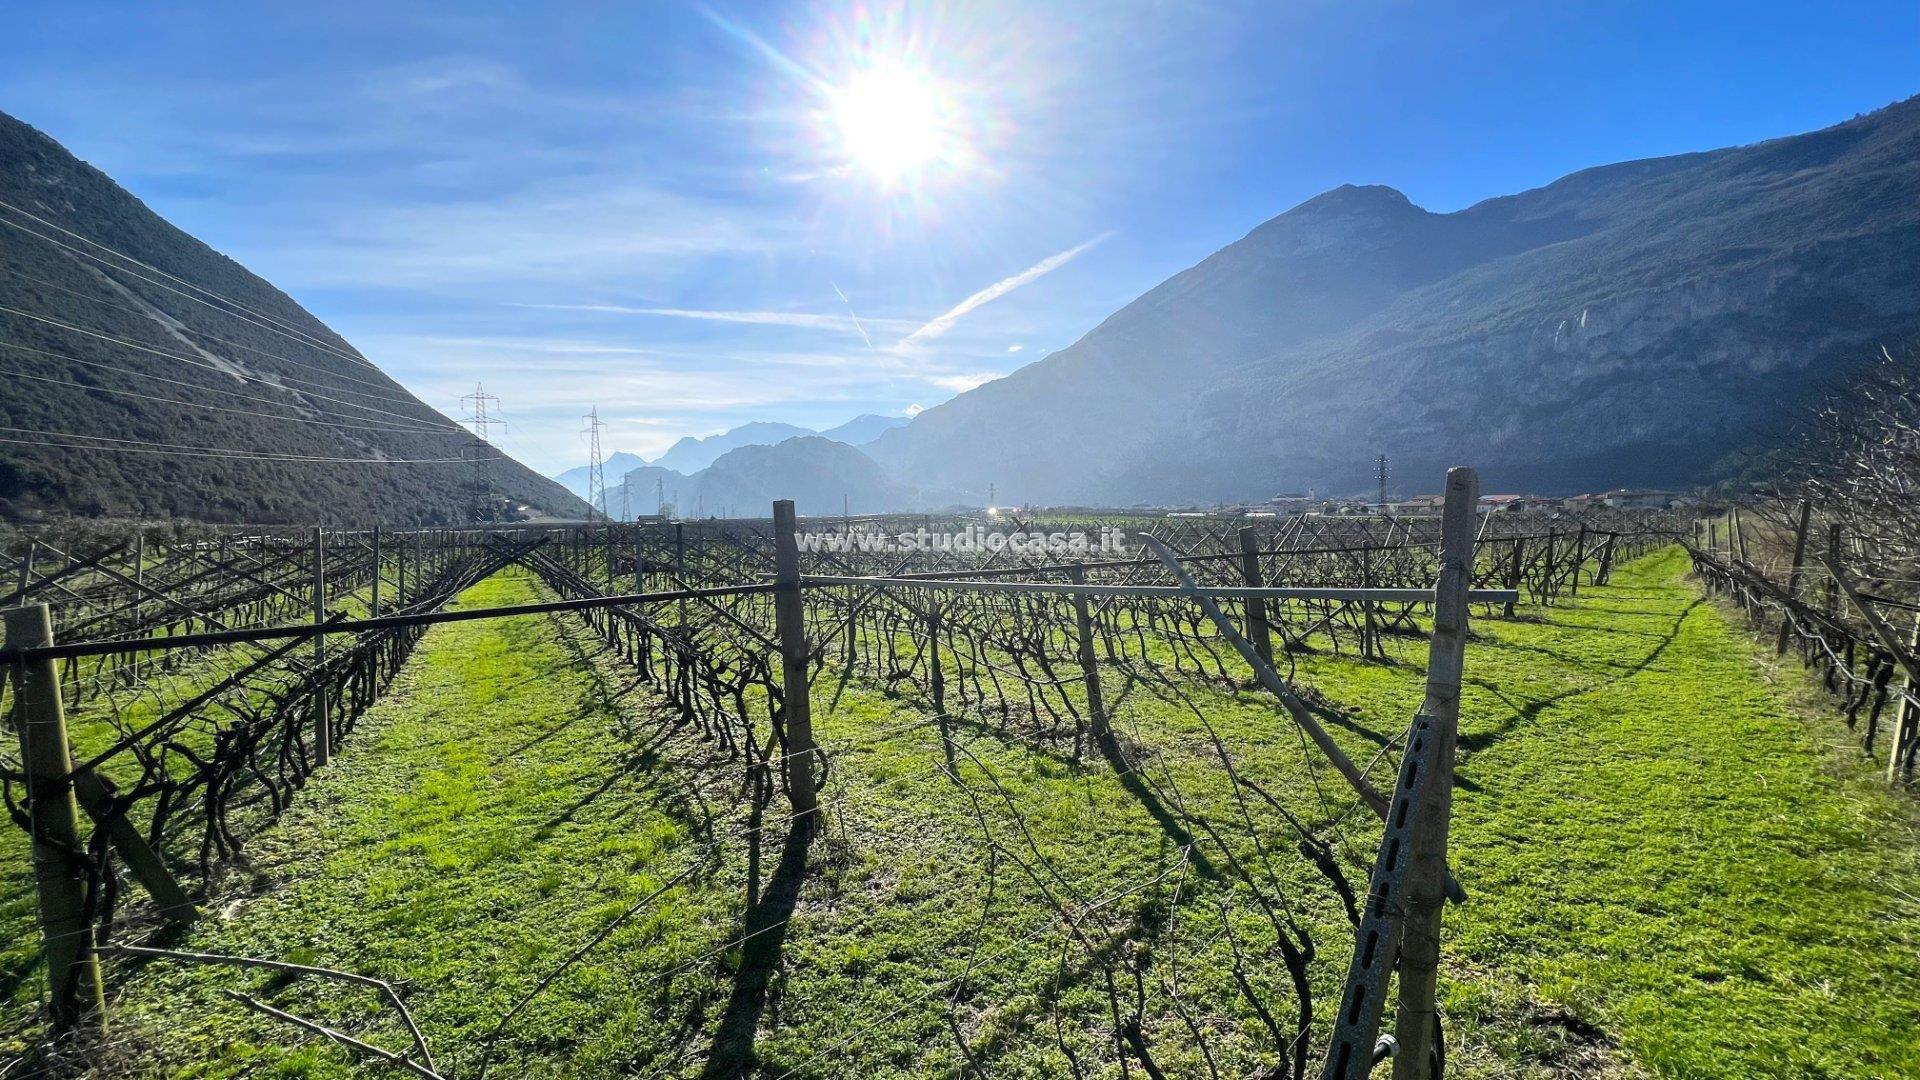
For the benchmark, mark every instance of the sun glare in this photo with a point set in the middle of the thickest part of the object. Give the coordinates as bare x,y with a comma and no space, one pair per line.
892,123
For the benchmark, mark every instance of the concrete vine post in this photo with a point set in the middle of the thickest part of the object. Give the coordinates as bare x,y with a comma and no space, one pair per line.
76,997
790,624
1417,1019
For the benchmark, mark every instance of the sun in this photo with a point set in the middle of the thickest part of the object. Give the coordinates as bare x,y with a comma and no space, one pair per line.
892,123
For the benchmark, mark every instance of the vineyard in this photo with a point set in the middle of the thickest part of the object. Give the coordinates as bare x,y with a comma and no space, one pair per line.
689,799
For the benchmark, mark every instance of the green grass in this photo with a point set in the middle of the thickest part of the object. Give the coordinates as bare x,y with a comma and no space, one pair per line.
1655,838
1673,872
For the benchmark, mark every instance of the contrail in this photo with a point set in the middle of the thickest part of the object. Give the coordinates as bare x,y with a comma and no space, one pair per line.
940,325
851,314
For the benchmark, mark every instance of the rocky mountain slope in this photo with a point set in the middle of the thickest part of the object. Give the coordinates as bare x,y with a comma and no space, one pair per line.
146,374
1631,324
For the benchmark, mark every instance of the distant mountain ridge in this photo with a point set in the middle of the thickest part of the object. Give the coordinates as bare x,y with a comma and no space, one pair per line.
821,475
184,386
690,455
1637,324
865,428
1629,324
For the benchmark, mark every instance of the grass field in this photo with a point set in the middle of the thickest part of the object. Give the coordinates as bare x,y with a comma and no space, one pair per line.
1674,872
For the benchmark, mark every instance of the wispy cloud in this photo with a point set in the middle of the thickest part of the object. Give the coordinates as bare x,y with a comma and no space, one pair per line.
1015,348
803,319
964,381
942,323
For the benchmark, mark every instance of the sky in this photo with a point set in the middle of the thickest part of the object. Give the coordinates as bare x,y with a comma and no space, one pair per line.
691,216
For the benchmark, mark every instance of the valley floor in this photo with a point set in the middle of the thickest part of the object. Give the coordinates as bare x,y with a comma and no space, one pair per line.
1673,872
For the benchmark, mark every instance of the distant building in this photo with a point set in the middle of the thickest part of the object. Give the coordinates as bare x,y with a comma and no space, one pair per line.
1628,499
1494,503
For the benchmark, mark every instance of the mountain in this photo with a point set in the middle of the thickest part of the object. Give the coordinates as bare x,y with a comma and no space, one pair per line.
820,475
690,455
1633,324
148,375
865,428
617,464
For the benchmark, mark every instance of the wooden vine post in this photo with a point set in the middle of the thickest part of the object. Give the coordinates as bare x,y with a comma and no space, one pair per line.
1793,576
1089,665
1833,559
936,675
1579,561
1904,714
1258,630
75,995
373,603
1513,572
790,625
322,723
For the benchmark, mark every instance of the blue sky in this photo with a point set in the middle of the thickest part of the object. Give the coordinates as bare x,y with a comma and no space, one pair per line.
661,209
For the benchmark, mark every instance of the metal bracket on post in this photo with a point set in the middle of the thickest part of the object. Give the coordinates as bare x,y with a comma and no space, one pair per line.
1350,1056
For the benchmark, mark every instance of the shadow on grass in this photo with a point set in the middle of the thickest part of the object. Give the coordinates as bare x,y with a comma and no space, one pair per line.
1528,712
764,939
1149,800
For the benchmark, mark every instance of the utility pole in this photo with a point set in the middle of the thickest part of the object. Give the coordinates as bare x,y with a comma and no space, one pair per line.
1380,474
596,476
483,422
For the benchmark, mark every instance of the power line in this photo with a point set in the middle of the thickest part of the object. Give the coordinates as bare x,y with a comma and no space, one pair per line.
189,361
227,455
195,386
260,319
386,387
217,408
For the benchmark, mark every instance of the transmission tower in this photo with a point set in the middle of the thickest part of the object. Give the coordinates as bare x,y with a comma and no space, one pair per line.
1380,474
626,490
660,497
480,408
596,476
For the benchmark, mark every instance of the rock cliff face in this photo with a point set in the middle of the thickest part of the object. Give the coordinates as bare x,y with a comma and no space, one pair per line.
1631,324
